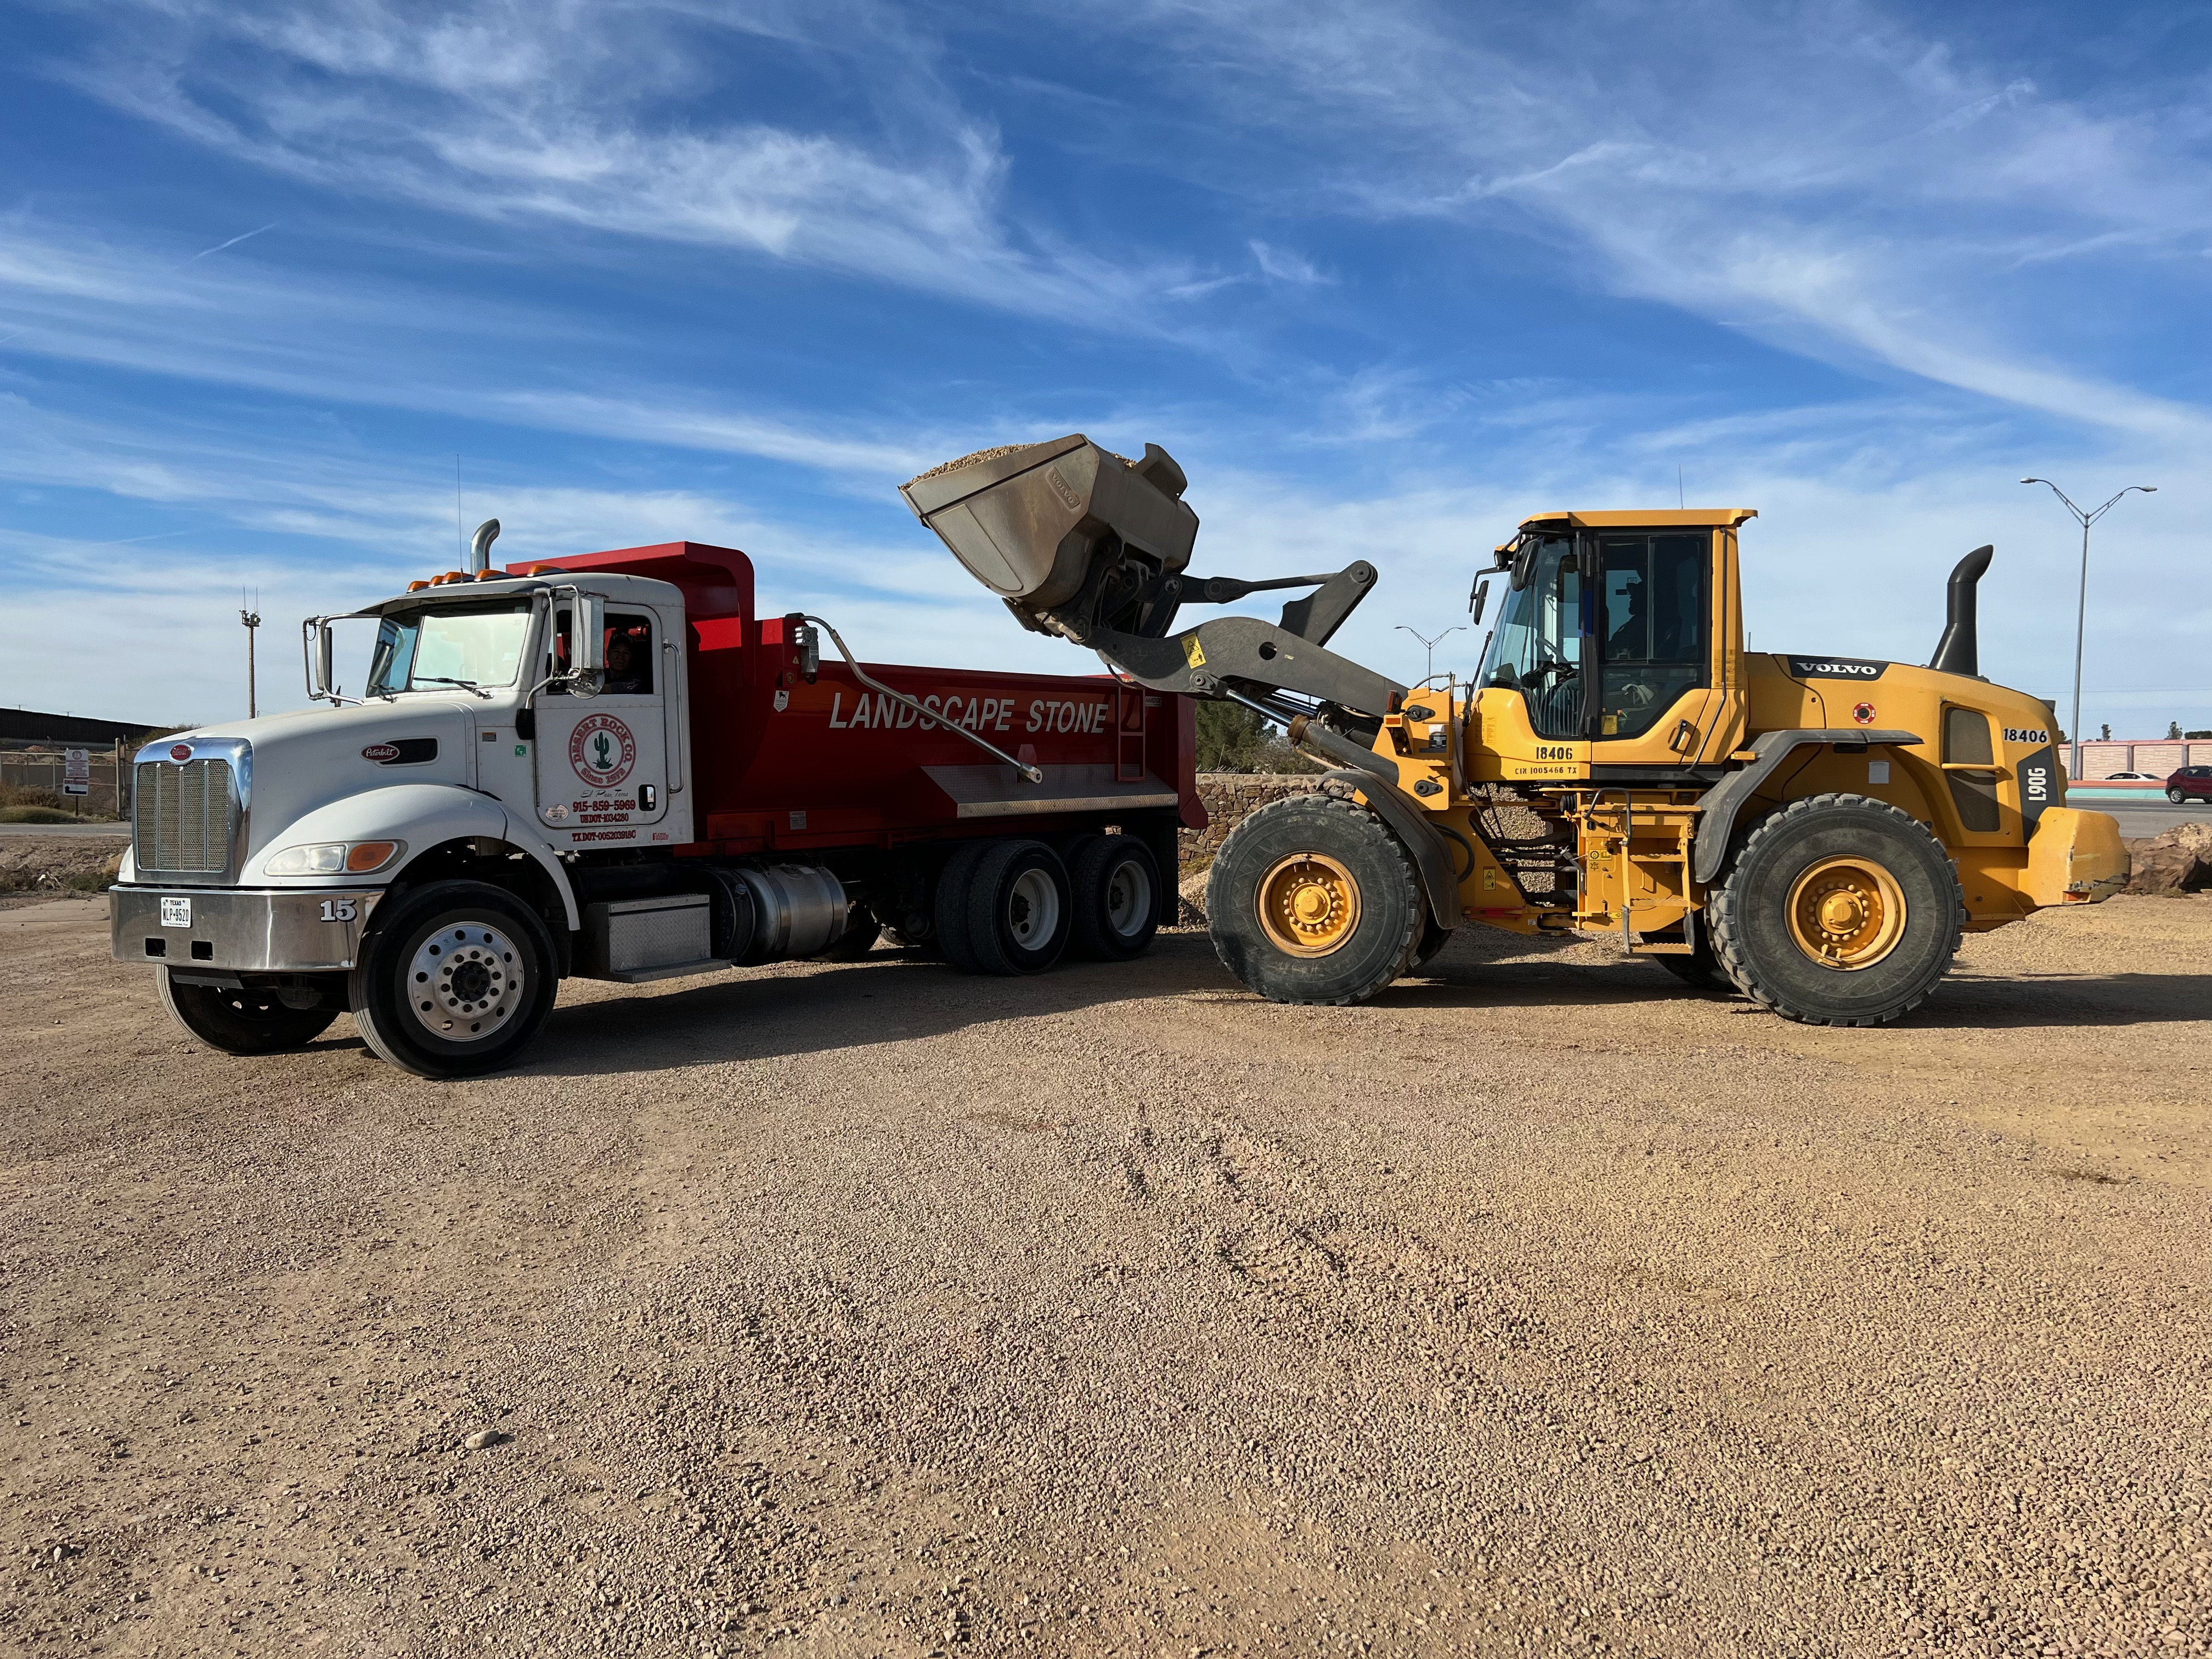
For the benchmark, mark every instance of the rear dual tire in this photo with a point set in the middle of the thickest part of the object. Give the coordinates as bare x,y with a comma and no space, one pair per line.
1016,907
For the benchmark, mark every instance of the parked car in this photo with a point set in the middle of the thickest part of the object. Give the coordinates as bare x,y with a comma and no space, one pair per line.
2190,783
2125,777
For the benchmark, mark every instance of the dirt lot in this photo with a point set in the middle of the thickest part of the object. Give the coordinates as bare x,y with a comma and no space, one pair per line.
1541,1305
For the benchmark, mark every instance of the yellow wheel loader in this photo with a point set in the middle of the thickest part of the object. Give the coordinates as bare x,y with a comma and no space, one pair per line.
1813,830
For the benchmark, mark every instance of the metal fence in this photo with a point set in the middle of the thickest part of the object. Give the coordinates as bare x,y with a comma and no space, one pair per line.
38,763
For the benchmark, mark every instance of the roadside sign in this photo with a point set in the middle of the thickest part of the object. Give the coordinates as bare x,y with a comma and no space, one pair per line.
76,772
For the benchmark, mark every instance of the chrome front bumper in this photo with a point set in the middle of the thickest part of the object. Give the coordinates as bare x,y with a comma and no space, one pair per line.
246,929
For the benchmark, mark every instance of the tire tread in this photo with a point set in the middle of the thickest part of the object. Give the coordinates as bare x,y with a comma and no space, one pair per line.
1726,901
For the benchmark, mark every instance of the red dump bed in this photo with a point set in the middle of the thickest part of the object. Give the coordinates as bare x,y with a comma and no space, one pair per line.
780,763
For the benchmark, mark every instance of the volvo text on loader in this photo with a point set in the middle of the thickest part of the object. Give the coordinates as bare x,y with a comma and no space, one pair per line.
1815,830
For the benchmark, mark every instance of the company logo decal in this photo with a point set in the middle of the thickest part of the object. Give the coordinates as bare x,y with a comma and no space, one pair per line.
1863,714
601,751
180,751
1834,668
407,751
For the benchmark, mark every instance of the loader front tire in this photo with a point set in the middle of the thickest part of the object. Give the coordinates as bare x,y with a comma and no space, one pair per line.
1314,900
1837,910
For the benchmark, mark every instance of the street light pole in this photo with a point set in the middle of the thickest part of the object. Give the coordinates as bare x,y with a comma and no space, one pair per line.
2082,604
251,619
1430,645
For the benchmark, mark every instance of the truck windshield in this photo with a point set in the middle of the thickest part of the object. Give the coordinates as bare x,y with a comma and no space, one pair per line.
469,645
1537,647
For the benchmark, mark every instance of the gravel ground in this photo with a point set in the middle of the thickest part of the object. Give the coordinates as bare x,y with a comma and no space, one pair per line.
1540,1306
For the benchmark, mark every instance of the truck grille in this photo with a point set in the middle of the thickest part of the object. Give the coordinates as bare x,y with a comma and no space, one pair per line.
183,817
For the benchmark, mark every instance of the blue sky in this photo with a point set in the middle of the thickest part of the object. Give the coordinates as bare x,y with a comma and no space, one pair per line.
1385,278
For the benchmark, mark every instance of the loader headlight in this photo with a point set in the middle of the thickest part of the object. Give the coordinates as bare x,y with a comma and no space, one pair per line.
330,858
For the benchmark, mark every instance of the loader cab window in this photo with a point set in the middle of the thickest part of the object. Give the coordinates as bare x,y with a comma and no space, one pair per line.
1537,646
1654,627
629,654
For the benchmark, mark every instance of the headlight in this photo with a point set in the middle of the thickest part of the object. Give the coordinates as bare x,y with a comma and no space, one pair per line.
330,858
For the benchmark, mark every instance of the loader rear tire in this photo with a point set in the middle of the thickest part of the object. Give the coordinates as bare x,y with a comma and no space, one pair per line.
1314,900
1837,910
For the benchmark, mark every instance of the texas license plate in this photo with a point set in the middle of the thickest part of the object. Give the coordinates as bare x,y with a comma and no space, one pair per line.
176,913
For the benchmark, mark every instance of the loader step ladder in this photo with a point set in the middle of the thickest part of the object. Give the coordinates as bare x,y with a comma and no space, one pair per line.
1629,860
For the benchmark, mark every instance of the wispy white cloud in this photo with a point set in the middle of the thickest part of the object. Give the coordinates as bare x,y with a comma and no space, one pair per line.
568,113
1825,175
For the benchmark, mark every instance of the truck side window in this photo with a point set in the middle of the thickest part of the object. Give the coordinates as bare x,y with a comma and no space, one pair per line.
628,654
1654,628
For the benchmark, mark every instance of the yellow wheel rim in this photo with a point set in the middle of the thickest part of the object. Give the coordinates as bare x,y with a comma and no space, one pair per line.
1308,904
1846,913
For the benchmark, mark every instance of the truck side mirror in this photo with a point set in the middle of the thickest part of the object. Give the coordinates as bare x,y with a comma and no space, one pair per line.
587,645
1477,602
318,665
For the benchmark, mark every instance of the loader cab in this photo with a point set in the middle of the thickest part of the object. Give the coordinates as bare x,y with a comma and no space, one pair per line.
1615,651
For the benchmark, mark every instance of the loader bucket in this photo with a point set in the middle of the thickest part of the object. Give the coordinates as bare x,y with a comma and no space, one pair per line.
1072,536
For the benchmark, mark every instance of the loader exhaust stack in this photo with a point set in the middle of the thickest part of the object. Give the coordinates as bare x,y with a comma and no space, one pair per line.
1958,652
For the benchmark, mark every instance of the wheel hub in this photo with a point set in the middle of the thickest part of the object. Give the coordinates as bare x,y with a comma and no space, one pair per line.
465,982
1308,904
1846,913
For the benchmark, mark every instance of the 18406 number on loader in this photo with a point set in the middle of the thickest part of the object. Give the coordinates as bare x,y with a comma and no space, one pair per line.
1816,830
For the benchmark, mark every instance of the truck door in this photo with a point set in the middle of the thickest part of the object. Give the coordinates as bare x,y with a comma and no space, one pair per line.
602,761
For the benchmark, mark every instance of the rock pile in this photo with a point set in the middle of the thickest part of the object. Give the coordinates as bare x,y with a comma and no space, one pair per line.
2177,862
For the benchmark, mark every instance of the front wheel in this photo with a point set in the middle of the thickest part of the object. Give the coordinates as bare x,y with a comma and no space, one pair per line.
252,1020
456,978
1315,900
1837,910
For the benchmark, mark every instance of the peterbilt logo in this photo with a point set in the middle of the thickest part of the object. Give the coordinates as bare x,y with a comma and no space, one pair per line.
382,753
180,751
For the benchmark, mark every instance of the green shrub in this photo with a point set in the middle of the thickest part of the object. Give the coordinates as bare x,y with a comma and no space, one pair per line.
35,815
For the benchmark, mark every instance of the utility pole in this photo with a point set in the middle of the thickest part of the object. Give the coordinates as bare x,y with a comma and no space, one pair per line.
1430,645
2082,605
251,619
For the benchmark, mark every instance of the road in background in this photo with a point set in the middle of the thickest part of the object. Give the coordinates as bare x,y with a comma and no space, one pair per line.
2144,821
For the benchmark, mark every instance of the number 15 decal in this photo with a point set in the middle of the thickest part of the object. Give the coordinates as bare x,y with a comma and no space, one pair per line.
341,910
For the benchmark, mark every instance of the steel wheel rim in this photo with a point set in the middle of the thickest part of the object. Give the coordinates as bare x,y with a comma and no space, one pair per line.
1128,898
1033,908
465,982
1308,904
1846,913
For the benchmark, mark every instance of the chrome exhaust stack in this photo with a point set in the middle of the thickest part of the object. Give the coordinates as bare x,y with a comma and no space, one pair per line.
480,546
